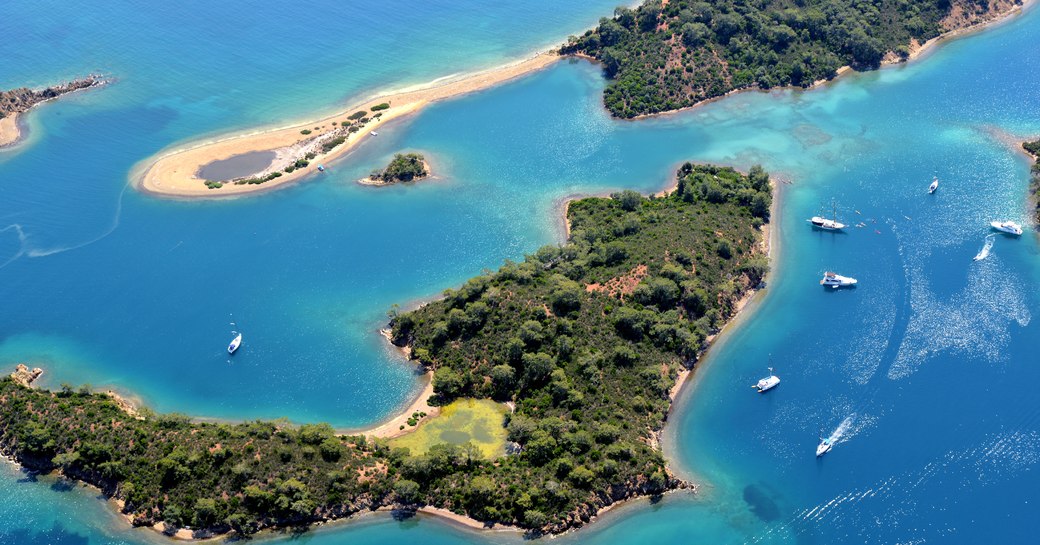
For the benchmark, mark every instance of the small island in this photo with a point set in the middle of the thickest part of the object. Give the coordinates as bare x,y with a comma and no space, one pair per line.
569,359
15,102
404,167
1033,149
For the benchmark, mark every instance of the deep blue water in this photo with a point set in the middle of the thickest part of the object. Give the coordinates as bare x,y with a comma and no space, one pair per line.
928,363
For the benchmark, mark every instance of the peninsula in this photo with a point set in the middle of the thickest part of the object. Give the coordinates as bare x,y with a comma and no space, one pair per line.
585,341
305,146
1033,148
16,102
404,167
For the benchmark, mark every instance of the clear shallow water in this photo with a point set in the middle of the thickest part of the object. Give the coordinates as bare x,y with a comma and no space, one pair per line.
926,361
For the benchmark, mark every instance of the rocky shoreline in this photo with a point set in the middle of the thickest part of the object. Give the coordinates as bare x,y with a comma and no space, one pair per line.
15,102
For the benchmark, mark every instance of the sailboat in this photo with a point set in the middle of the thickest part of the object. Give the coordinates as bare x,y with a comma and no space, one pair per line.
235,343
767,383
934,186
828,224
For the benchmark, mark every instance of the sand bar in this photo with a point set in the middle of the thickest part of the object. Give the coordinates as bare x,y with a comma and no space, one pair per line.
9,132
174,173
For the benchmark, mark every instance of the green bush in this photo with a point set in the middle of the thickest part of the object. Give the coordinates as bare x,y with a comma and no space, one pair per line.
381,106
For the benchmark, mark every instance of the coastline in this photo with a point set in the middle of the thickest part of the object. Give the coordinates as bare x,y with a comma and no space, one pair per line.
14,129
682,391
173,173
918,51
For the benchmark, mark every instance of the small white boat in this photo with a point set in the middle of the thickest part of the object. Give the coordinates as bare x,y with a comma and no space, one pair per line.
235,343
374,133
767,383
824,447
984,252
1008,227
835,280
827,224
934,186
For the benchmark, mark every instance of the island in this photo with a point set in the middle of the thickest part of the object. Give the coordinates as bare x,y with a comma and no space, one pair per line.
16,102
668,55
404,167
1033,149
574,355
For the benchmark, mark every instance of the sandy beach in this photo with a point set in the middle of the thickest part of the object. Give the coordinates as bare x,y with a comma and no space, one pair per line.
173,173
9,131
392,428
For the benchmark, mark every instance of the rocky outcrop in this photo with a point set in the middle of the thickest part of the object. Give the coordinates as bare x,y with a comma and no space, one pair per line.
24,376
19,100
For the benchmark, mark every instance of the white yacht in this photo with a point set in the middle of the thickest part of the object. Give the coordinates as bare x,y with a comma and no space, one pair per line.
827,224
768,383
824,447
934,186
235,343
835,280
1009,227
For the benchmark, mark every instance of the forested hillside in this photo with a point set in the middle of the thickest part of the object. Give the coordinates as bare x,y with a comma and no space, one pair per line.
585,339
670,54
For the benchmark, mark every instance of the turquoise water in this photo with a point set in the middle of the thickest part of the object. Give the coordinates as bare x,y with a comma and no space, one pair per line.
928,362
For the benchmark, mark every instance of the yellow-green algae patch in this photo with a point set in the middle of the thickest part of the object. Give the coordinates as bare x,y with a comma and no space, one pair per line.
479,421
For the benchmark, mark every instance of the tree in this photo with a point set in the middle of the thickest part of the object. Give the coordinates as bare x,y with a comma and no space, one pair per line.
628,199
447,383
695,34
407,490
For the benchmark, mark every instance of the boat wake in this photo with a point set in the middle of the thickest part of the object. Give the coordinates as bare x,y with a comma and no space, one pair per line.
26,251
844,431
984,252
994,459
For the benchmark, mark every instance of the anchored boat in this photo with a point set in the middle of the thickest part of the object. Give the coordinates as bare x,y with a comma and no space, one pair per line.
1008,227
827,224
235,343
835,280
934,186
768,383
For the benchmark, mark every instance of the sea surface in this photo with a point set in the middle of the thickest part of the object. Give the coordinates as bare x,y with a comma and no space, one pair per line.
923,373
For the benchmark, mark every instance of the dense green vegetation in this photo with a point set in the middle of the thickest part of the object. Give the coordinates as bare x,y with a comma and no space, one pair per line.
222,476
404,167
669,55
1034,185
586,339
381,106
